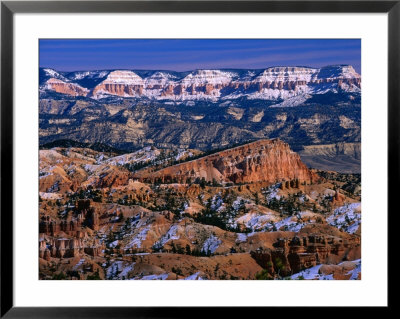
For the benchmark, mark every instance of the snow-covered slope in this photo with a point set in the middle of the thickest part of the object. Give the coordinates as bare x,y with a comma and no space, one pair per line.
203,77
123,77
159,79
284,74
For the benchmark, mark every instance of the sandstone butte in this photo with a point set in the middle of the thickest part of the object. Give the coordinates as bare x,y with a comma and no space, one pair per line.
269,161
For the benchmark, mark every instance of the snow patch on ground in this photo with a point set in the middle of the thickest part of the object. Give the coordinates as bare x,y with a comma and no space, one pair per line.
347,217
354,273
119,269
114,244
272,192
255,221
238,203
217,202
81,261
52,196
293,101
152,277
211,244
311,274
170,235
143,155
137,240
241,237
293,223
290,224
182,153
195,276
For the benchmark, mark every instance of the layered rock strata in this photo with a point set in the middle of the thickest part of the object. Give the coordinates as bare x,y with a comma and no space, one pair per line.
272,83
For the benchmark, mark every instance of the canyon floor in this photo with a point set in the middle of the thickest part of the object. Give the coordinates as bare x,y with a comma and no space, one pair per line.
255,211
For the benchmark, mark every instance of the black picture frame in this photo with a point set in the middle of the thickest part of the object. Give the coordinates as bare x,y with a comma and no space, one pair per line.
9,8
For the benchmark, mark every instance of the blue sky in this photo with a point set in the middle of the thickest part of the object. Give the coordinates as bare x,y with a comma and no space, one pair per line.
189,54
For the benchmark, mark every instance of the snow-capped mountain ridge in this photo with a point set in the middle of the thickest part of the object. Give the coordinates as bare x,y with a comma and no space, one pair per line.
208,77
274,83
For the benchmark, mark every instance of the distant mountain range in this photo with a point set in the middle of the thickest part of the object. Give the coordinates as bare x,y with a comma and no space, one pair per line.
285,86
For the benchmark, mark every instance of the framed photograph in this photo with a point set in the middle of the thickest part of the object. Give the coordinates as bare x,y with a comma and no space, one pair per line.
159,155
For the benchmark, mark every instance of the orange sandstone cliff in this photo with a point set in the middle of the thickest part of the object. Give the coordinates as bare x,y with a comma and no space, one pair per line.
261,161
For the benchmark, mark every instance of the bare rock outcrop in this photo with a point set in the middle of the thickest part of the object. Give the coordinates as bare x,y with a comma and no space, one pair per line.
84,215
291,255
51,247
261,161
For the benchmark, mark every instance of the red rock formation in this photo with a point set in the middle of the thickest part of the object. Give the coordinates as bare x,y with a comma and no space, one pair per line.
60,86
113,178
261,161
119,89
50,247
338,198
83,215
298,253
